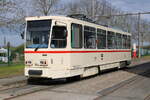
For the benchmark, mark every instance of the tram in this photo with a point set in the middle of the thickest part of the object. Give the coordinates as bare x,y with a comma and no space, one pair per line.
65,46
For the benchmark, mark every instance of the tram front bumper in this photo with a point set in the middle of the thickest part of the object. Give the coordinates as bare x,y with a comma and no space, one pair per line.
46,73
35,72
49,73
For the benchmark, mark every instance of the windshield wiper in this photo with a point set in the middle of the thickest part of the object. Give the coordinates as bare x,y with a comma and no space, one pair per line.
37,47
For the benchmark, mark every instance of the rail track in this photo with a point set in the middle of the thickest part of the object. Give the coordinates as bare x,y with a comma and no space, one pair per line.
24,89
147,97
128,82
12,85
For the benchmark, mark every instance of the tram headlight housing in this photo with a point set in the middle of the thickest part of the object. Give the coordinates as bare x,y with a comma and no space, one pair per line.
28,63
43,63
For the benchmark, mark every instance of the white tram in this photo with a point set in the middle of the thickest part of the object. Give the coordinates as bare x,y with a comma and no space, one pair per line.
63,47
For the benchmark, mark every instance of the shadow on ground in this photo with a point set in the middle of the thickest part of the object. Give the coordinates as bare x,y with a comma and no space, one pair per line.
141,69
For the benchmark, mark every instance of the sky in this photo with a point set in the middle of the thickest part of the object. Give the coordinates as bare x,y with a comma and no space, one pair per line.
133,6
124,5
15,40
10,36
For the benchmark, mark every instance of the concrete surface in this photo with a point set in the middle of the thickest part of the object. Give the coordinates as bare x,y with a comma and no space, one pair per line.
12,79
89,89
136,90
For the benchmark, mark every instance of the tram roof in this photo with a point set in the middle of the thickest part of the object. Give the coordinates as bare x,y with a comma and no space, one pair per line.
77,20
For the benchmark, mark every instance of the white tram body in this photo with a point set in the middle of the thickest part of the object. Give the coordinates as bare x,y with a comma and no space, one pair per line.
62,47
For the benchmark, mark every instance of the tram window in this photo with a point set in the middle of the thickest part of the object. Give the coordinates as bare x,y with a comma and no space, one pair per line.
111,40
59,37
101,39
118,41
76,36
124,40
129,42
89,37
37,33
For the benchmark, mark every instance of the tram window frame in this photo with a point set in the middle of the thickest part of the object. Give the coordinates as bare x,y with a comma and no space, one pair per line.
128,42
88,32
101,38
118,41
111,40
80,44
124,41
55,39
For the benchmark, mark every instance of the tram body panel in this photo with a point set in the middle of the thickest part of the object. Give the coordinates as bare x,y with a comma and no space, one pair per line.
66,62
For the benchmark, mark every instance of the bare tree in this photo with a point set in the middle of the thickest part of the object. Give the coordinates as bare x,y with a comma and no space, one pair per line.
5,7
44,7
12,17
103,8
10,13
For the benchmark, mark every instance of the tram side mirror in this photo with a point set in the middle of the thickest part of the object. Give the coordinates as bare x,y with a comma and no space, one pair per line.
22,35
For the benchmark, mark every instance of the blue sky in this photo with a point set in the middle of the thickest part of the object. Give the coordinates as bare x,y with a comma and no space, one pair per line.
133,6
14,39
11,36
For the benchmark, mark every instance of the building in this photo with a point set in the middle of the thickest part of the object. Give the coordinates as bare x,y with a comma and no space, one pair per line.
3,55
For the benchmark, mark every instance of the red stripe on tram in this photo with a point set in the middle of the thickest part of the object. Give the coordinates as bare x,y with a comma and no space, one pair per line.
76,51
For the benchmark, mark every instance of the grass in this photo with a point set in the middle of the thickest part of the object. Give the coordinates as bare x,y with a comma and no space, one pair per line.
12,70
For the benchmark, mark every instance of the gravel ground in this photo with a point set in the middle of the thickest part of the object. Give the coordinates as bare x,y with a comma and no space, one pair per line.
12,80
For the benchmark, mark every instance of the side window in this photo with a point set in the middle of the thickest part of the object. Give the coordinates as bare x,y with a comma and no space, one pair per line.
124,40
111,40
118,41
89,37
101,39
76,36
59,37
129,42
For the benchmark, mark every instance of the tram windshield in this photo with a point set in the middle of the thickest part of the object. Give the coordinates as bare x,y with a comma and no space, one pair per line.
37,34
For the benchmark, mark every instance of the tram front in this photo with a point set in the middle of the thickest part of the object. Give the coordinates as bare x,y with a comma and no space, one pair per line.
45,41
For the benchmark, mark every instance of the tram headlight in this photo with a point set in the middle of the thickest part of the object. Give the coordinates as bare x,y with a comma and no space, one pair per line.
43,63
28,63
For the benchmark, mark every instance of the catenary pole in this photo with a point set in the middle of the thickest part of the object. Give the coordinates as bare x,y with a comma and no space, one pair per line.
139,36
